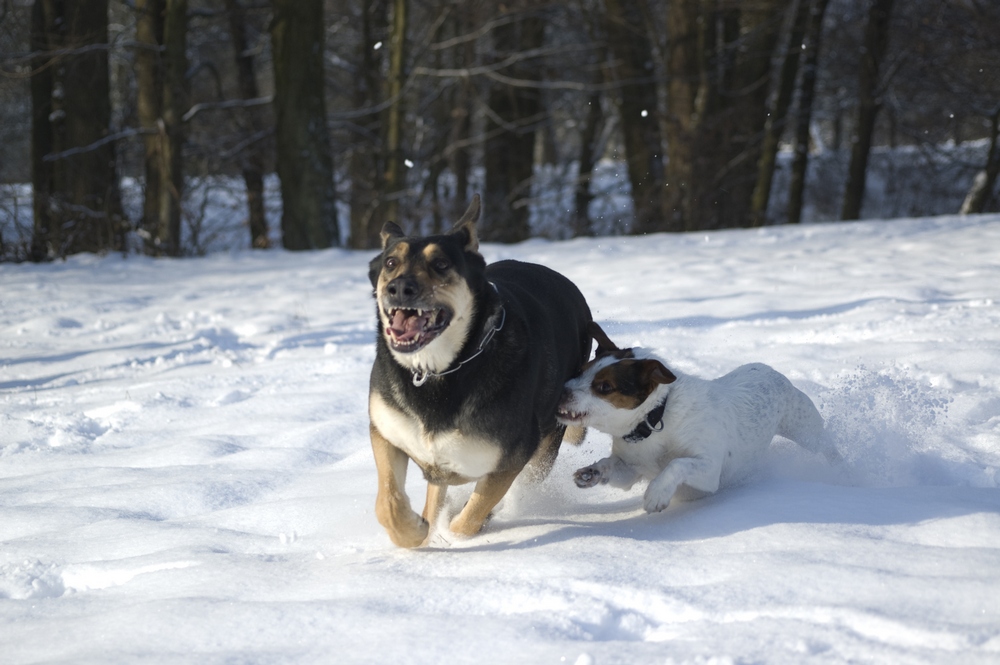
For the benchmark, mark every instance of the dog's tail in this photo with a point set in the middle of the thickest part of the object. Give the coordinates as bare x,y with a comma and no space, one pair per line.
575,435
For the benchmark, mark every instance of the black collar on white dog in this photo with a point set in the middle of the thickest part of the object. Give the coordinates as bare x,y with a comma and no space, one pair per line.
653,422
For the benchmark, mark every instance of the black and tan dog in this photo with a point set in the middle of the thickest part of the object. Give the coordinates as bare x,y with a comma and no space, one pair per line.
469,368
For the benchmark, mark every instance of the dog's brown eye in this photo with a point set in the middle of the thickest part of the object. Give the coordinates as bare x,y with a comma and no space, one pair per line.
441,265
603,388
391,263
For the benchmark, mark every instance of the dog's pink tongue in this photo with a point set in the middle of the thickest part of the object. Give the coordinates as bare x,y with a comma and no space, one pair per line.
405,328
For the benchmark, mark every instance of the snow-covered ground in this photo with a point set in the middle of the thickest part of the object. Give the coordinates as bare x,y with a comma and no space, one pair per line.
185,474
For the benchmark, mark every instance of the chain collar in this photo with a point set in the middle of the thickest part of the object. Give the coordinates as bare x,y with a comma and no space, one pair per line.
420,378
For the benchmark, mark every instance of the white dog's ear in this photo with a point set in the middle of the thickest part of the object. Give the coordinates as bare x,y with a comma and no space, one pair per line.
390,230
653,371
466,226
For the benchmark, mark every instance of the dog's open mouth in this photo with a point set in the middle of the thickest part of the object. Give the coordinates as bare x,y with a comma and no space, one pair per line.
567,416
412,329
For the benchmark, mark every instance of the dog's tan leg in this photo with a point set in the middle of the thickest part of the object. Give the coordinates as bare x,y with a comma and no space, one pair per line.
435,500
489,490
575,435
392,506
541,462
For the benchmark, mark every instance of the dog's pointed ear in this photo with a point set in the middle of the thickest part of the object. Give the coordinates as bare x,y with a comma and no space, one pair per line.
653,371
465,228
390,230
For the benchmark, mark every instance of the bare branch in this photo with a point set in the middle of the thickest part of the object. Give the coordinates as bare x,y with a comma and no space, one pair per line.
473,36
492,73
227,104
247,142
53,56
124,134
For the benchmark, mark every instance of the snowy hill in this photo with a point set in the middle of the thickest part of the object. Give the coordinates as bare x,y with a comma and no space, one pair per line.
185,474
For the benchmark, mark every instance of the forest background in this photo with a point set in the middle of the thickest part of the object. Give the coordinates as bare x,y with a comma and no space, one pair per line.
123,123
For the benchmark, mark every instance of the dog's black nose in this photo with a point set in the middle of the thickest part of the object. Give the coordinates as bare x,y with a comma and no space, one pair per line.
405,287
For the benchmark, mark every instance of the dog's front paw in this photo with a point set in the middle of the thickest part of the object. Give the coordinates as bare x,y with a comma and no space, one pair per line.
654,501
412,532
589,476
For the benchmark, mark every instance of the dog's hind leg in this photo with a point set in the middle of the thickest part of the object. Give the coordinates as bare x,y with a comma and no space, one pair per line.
803,425
392,506
541,462
489,490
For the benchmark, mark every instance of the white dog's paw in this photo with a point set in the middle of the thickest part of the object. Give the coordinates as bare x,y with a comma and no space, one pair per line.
589,476
655,500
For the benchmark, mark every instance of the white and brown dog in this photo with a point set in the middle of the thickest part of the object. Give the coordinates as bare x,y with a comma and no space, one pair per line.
686,436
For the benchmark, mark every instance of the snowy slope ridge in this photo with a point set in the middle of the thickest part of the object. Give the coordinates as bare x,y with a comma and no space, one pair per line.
185,474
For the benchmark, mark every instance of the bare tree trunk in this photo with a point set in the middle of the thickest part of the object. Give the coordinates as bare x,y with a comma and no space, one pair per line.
77,201
395,183
582,225
305,163
441,115
149,103
510,148
253,159
687,96
719,67
876,40
45,237
168,232
365,164
760,29
807,88
459,160
777,110
982,187
639,109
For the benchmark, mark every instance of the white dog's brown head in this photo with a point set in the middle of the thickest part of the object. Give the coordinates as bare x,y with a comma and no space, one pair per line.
612,391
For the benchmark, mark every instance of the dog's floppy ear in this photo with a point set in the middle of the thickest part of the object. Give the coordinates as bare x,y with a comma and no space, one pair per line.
653,371
465,228
390,230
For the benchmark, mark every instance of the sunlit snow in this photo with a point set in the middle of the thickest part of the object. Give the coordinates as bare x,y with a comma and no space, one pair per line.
185,473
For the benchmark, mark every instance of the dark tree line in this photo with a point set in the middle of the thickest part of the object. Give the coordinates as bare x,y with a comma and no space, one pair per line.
73,163
399,109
